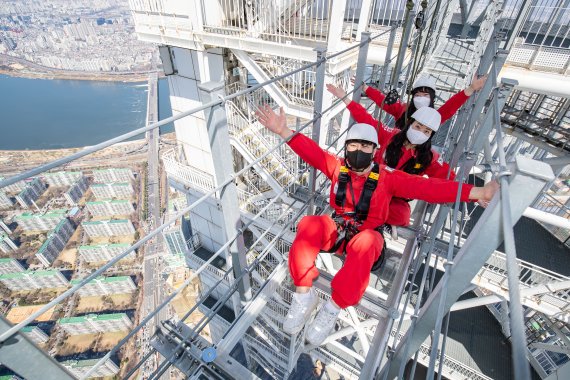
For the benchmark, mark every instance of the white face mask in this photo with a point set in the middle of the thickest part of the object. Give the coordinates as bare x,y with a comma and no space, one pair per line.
416,137
421,101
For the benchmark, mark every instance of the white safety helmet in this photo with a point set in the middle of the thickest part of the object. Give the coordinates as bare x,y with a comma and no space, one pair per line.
428,117
362,131
425,81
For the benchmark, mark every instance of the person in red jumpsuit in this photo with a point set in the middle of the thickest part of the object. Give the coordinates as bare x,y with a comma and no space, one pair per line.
364,244
409,148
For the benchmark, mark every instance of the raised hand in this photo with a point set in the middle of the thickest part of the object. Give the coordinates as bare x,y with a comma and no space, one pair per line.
476,84
275,123
364,85
336,91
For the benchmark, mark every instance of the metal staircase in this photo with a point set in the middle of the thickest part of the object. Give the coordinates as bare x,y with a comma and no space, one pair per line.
278,169
455,59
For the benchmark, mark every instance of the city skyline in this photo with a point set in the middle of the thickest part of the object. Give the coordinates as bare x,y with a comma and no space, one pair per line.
80,36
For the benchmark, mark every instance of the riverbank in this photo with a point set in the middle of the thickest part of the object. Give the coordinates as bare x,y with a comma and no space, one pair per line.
20,68
15,161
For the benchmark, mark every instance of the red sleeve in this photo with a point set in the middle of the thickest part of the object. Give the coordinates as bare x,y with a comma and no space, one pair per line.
433,190
375,95
397,109
438,168
360,115
314,155
449,108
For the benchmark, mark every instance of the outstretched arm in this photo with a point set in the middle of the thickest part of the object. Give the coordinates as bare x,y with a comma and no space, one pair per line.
361,115
453,104
484,193
275,123
307,149
357,111
396,109
436,190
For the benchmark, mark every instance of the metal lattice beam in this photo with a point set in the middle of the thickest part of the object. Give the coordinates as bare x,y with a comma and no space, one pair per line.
528,182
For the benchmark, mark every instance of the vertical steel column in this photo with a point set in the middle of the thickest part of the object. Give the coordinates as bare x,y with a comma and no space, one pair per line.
410,16
361,66
518,335
384,75
388,58
529,179
219,140
20,355
318,114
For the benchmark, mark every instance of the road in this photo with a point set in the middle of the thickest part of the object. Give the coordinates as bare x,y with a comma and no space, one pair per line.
153,264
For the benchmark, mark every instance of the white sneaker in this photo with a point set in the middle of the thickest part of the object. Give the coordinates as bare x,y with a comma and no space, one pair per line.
322,325
301,308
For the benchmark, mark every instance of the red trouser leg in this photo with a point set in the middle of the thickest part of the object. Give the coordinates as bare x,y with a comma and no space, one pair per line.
351,281
399,212
314,233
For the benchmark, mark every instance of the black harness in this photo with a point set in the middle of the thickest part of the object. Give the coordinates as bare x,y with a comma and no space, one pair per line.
347,228
361,209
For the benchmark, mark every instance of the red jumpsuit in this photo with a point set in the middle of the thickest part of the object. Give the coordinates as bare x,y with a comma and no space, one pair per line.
399,209
316,233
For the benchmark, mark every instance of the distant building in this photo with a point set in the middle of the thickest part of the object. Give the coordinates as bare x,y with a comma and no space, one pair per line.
95,323
173,262
79,368
35,334
6,244
112,175
5,201
76,191
15,187
110,207
55,243
30,193
103,252
178,236
63,178
119,190
8,265
40,222
30,280
101,286
5,227
117,227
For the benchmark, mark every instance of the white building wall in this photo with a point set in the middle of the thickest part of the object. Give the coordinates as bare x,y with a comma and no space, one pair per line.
193,67
103,252
10,266
62,178
112,190
112,175
98,287
37,335
5,201
6,244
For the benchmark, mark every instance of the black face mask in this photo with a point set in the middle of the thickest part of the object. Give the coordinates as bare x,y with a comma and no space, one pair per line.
358,160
